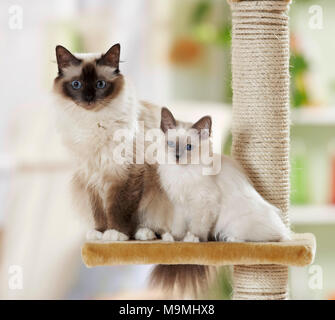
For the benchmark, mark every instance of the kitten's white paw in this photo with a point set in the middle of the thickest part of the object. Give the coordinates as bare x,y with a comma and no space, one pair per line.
230,239
225,238
145,234
167,237
93,235
286,236
190,237
114,235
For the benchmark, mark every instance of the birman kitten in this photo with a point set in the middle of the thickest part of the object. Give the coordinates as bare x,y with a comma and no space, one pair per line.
223,205
212,199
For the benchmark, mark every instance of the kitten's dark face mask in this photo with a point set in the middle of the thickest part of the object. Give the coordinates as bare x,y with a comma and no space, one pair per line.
91,84
184,145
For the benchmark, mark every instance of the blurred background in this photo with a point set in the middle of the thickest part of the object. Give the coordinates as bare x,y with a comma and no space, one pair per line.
177,53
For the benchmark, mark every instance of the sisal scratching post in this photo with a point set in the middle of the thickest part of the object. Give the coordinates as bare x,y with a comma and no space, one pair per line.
260,68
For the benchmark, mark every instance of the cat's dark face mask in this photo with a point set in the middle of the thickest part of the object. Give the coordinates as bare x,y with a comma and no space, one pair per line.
91,84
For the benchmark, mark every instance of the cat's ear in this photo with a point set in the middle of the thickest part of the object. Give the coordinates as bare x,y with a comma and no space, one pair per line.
65,58
204,126
112,57
167,120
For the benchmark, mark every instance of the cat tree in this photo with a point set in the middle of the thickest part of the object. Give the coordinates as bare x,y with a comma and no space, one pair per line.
260,66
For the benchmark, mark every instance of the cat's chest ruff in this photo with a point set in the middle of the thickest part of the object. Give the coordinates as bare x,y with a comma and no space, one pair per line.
100,145
88,132
104,161
97,136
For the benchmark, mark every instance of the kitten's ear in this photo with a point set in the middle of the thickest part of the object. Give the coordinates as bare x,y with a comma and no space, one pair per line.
167,120
112,57
65,58
204,126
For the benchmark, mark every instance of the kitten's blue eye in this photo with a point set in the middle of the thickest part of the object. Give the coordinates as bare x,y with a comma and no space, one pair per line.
171,144
189,147
101,84
76,84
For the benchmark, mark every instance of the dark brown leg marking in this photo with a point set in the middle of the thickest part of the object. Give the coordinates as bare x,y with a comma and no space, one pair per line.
97,210
123,201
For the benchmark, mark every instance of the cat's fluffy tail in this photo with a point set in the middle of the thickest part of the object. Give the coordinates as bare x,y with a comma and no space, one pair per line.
185,279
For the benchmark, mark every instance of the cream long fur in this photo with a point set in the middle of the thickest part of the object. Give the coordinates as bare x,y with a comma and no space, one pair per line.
223,205
89,137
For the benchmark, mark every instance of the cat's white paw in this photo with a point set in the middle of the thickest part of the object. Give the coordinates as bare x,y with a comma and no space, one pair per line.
167,237
145,234
114,235
190,237
93,235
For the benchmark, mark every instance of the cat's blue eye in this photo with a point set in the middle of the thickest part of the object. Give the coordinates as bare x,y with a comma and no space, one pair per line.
76,84
171,144
101,84
189,147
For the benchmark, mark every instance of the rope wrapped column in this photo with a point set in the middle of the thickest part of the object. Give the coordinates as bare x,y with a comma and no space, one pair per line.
260,69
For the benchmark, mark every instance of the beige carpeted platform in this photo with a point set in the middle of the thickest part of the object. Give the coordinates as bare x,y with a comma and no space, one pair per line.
299,251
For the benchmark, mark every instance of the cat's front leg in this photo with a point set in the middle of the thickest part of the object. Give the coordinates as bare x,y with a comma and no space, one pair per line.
100,220
93,235
89,204
101,231
114,235
122,203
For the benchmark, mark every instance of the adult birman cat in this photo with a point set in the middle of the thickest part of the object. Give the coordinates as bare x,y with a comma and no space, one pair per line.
95,101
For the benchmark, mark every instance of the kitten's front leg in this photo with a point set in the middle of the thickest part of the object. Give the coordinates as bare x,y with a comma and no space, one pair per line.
226,238
168,237
201,224
144,233
190,237
179,226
